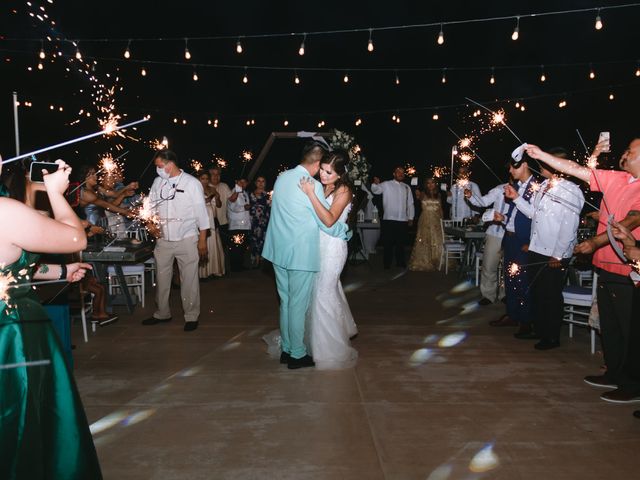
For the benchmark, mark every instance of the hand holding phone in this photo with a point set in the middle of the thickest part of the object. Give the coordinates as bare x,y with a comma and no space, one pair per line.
37,169
58,181
605,138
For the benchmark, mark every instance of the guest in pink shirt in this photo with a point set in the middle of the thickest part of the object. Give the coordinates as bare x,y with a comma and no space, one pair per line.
621,199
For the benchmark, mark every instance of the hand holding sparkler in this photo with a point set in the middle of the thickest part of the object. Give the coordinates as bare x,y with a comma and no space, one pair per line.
510,192
77,271
585,248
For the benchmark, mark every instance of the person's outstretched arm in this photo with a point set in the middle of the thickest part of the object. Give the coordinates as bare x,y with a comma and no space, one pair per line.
560,164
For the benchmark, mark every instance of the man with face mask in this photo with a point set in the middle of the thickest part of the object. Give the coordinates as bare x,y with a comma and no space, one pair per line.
178,199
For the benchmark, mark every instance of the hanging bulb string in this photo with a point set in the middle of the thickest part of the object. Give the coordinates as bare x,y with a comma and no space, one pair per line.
596,10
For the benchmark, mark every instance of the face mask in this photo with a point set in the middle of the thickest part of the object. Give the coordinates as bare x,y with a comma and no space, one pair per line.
161,173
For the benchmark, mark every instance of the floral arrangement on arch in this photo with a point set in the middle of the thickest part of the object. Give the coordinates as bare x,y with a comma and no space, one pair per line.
359,168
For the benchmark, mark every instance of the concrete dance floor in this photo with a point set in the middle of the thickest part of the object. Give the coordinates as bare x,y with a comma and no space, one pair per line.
437,394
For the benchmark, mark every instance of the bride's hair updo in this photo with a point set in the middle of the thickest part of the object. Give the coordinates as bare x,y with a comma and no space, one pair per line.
339,161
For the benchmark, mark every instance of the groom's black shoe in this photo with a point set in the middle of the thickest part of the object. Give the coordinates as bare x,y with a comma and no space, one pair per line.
285,358
303,362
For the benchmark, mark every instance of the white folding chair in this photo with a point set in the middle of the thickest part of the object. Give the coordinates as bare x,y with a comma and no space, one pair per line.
452,249
134,278
577,307
478,267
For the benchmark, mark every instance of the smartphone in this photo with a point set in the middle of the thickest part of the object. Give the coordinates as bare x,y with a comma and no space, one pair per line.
36,173
414,181
605,137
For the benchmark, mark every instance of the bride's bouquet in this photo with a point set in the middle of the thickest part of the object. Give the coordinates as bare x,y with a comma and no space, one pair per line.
359,168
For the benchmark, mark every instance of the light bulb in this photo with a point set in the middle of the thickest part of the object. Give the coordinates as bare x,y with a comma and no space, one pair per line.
370,44
187,54
143,72
611,96
345,79
543,77
638,72
301,49
435,116
40,66
398,119
296,80
516,31
393,118
42,54
195,76
522,109
286,123
238,47
517,104
440,36
598,21
397,79
592,74
492,80
444,77
127,53
78,54
245,79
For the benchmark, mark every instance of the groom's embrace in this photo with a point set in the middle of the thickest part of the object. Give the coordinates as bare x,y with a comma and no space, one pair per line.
292,245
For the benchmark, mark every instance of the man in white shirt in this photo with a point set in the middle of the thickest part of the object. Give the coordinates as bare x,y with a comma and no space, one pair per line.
555,217
178,199
492,251
397,201
238,206
460,205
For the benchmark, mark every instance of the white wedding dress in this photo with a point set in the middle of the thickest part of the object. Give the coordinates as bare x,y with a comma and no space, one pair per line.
329,321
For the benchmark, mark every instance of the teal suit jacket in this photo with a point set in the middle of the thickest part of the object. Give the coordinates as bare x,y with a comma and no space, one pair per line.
293,235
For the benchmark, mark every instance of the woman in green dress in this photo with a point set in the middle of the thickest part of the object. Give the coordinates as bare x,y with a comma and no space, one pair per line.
44,432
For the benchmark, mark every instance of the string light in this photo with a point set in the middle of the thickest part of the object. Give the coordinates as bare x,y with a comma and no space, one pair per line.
238,46
358,122
296,79
441,36
592,73
143,72
40,66
78,54
516,31
286,122
598,24
321,124
345,79
42,55
492,80
638,71
543,77
397,79
436,116
370,44
522,109
187,53
301,49
127,52
245,79
444,76
517,104
195,76
611,96
562,104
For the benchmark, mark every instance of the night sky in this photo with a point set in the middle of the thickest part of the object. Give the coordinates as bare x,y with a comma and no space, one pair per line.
168,91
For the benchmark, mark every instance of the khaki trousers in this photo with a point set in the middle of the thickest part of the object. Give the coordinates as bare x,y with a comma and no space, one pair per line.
185,252
489,276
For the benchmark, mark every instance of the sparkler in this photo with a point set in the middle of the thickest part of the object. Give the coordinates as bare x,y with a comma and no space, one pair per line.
466,157
197,166
238,238
221,162
246,156
497,119
514,269
159,144
465,142
113,160
477,156
439,172
410,170
69,142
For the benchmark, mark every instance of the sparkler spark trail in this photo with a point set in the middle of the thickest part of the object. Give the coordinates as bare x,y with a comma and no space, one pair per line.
410,170
238,238
498,118
514,269
69,142
439,172
197,166
477,156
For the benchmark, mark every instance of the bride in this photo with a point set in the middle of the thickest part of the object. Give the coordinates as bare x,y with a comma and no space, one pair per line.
329,320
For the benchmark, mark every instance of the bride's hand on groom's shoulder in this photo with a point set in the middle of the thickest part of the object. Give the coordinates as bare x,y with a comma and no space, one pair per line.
307,185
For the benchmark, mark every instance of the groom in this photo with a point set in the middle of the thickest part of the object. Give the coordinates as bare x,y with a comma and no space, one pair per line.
292,246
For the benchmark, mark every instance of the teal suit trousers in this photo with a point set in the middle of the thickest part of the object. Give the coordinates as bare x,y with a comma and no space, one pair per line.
294,288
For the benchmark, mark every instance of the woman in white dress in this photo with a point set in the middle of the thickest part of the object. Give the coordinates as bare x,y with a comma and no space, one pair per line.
330,324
